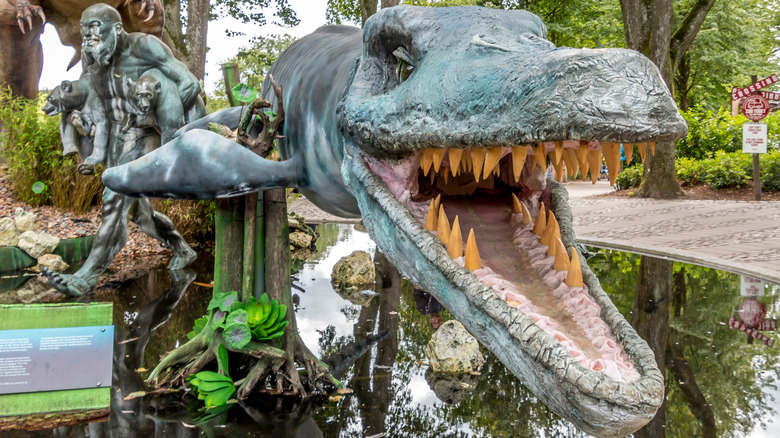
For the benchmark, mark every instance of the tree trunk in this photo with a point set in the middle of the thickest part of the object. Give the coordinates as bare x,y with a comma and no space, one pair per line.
649,29
367,9
686,380
189,47
652,310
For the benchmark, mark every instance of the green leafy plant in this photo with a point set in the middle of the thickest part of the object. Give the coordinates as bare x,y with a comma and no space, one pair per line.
770,170
266,319
213,388
244,93
629,177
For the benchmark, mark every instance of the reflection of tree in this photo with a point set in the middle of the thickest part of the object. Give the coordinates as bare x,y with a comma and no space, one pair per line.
734,379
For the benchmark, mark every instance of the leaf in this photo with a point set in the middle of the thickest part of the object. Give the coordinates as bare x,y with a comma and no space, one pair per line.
133,395
219,317
38,187
264,299
235,316
244,93
220,397
223,300
210,376
237,335
207,387
222,359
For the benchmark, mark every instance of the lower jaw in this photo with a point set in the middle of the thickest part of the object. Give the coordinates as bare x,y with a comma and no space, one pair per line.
592,400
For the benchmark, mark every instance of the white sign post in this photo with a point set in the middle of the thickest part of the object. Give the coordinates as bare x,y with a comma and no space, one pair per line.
754,138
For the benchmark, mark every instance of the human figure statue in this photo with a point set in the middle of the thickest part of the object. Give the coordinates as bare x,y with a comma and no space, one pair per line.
113,58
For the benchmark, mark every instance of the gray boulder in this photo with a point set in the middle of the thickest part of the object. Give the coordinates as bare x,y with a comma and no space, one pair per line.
37,243
452,349
8,234
299,239
355,270
25,220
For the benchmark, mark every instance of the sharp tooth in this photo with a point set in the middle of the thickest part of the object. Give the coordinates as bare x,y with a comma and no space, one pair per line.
541,221
558,151
455,245
437,201
491,159
582,157
549,230
608,149
652,147
628,148
541,156
472,254
443,227
455,156
426,160
556,234
572,165
438,156
533,160
431,218
519,154
642,151
478,160
574,277
594,162
468,165
558,171
516,204
561,257
526,214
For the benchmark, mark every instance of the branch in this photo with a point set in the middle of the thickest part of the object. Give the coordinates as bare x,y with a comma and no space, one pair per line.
689,28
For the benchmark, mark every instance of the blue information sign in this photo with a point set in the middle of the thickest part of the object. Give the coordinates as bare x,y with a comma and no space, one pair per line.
55,358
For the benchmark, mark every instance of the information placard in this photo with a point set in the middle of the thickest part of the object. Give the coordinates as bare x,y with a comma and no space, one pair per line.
55,358
751,287
754,138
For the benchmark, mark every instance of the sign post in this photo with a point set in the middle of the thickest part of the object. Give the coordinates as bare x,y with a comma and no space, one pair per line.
754,135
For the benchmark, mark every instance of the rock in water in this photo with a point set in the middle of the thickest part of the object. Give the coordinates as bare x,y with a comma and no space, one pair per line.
51,261
354,270
25,220
452,349
37,243
8,234
299,239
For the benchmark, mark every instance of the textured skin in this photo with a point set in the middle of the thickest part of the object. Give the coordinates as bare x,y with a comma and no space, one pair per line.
21,55
482,77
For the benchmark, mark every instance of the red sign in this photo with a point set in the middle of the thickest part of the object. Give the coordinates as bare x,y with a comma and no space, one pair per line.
738,93
770,95
767,325
755,107
736,324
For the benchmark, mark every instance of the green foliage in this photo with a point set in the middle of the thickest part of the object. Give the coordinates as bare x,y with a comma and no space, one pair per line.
244,93
266,318
343,12
197,327
213,388
710,131
629,177
251,11
256,60
690,171
30,145
770,170
193,219
724,171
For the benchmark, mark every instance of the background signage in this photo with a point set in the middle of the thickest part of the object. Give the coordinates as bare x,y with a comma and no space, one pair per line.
754,138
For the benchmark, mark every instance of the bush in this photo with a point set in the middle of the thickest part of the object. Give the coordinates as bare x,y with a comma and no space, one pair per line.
690,171
725,170
629,177
770,170
30,146
710,132
73,191
193,219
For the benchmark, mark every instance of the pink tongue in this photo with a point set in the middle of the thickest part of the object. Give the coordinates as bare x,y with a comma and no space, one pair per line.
493,232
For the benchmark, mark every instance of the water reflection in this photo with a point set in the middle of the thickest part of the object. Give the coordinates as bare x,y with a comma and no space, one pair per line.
718,384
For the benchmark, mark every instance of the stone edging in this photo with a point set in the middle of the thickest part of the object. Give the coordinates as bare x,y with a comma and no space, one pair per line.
71,250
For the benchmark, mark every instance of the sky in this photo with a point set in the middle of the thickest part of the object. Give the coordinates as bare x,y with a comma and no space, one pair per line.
221,47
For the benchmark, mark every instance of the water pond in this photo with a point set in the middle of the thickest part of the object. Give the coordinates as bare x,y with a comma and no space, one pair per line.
719,381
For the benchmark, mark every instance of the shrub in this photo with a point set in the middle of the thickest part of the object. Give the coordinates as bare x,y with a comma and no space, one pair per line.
29,144
193,219
690,171
725,170
629,177
710,132
770,170
73,191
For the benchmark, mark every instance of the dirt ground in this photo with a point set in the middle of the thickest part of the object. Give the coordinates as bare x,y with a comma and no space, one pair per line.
704,192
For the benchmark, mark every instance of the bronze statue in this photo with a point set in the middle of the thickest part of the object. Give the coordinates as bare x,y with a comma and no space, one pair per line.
113,60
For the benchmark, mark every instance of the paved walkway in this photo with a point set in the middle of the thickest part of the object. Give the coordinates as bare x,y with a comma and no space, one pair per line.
735,236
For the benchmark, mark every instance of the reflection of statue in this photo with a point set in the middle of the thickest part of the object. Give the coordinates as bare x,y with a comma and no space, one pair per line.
114,59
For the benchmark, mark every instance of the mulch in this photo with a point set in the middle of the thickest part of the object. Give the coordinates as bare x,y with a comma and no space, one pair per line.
65,225
705,192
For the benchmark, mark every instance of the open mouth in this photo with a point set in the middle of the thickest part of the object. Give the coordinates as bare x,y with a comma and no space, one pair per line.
489,209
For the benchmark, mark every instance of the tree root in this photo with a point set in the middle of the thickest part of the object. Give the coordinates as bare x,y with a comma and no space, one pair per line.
184,353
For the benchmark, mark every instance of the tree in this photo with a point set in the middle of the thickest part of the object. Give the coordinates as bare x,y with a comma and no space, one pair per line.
649,27
186,24
354,11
